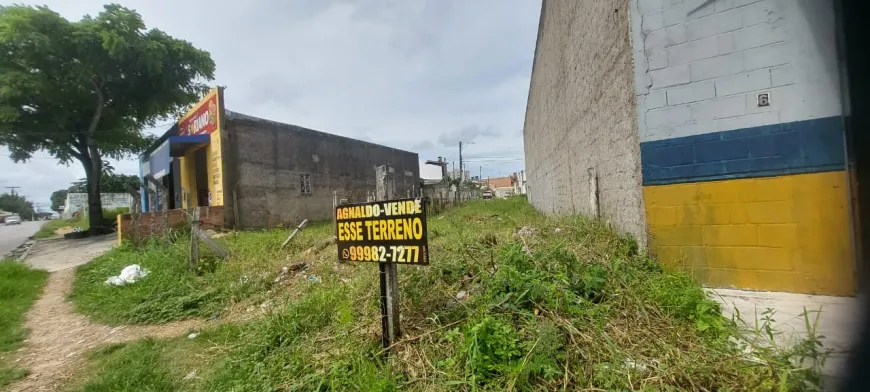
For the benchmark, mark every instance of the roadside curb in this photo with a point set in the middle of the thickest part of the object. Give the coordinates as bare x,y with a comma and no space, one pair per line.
24,255
22,251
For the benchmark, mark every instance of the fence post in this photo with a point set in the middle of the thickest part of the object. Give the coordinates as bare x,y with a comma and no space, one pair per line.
334,205
235,210
386,188
194,242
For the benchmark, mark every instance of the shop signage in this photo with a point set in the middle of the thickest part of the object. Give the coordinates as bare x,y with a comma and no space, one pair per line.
202,119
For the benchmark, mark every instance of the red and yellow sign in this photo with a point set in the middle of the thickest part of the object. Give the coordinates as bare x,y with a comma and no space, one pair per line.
202,119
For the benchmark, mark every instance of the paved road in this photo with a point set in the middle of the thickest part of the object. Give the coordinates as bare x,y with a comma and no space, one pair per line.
12,236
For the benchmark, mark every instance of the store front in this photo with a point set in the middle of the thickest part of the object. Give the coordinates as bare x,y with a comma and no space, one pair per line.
186,160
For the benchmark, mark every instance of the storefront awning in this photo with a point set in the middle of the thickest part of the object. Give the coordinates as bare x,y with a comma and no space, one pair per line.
179,145
158,161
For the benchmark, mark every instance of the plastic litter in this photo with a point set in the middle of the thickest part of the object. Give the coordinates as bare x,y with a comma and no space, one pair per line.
130,274
192,335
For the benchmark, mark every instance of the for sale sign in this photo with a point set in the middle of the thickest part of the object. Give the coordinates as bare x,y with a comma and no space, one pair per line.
391,231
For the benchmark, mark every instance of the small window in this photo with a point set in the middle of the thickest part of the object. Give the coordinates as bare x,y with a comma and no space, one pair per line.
305,183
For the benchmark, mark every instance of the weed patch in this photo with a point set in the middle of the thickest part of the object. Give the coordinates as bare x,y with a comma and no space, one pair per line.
20,287
129,367
172,291
512,300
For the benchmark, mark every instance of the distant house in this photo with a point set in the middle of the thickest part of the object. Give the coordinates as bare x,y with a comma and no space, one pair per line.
501,186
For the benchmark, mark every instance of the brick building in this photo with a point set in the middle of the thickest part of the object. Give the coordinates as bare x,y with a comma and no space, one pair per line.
712,131
501,186
264,173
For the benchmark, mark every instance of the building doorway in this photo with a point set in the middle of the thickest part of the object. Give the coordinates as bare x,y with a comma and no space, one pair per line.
200,171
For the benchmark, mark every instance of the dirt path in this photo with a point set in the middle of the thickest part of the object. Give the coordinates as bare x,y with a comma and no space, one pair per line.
58,337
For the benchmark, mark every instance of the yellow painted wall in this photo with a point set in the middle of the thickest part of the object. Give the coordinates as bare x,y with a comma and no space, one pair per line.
215,169
786,233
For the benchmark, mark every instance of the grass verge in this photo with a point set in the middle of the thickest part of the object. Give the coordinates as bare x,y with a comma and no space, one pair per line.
20,286
569,305
49,228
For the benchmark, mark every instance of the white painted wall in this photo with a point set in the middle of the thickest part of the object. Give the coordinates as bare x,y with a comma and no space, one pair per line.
429,172
78,202
700,65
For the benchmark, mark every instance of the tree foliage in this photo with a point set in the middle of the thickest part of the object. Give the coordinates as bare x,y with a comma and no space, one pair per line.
16,204
85,90
58,200
109,183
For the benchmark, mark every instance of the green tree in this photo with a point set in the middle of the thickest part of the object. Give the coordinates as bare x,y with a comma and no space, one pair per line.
109,183
16,204
85,90
58,199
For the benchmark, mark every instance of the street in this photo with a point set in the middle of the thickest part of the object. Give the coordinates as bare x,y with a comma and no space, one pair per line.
12,236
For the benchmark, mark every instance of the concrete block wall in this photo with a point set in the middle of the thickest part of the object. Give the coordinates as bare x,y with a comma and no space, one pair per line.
699,65
263,161
774,233
741,194
581,114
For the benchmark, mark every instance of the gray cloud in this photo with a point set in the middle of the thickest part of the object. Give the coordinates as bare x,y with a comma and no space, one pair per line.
466,134
423,146
270,89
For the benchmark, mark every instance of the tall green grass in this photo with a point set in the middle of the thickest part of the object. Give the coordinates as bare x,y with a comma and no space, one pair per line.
573,306
20,286
172,291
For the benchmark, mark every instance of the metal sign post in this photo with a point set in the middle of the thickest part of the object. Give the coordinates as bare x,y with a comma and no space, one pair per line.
386,231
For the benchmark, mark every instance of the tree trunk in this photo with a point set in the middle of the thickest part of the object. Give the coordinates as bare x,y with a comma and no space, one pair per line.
93,166
93,163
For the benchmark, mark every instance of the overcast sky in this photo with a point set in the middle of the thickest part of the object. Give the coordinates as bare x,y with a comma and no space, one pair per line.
420,75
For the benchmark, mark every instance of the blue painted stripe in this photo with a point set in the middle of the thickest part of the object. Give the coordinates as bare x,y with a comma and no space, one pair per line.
809,146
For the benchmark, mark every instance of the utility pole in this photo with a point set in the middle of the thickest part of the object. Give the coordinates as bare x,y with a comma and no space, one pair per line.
461,172
12,189
461,165
480,173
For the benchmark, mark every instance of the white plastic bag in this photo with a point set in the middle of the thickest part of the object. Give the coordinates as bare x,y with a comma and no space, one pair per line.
130,274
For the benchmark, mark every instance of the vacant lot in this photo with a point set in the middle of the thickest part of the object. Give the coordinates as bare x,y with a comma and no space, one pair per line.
512,300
